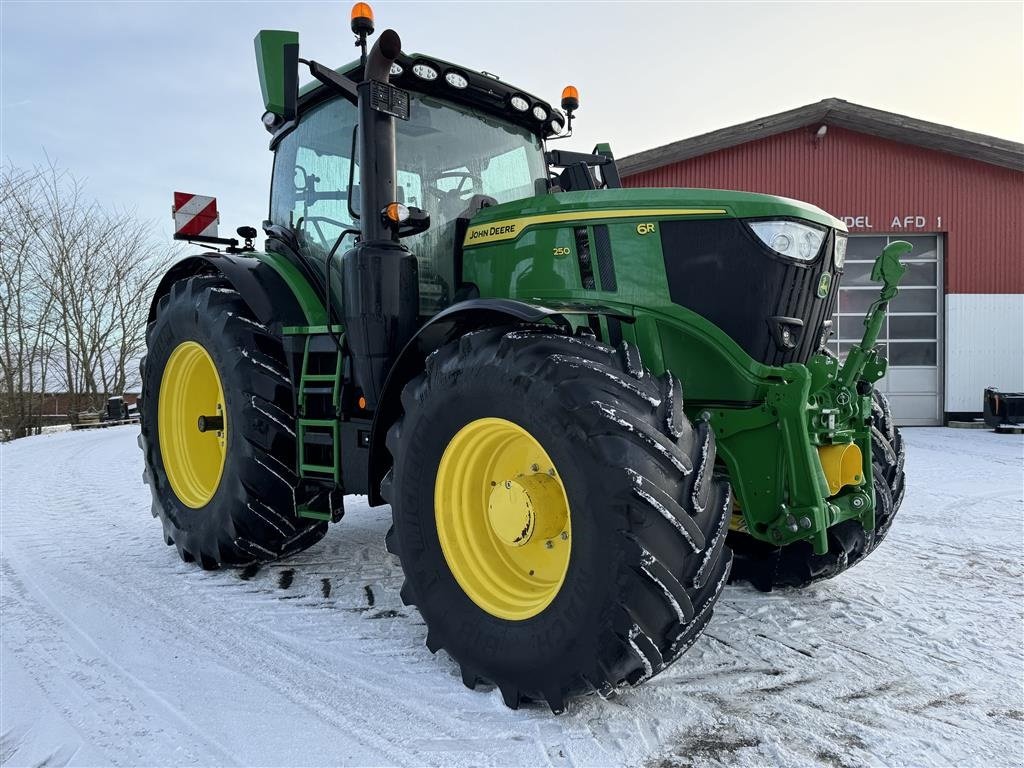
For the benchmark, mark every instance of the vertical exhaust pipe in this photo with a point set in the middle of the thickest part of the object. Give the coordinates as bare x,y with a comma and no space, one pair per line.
380,276
376,139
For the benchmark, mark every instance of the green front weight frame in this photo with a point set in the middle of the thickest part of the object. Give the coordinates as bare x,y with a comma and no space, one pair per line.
772,450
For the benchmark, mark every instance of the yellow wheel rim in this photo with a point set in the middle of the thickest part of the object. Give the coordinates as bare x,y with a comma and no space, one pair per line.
502,518
191,400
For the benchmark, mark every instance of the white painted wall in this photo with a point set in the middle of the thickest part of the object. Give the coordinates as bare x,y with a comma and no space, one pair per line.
984,346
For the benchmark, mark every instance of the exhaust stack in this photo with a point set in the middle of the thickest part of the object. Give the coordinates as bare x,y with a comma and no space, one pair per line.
376,139
380,275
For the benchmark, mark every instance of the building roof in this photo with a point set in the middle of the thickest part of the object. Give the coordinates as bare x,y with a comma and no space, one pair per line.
842,114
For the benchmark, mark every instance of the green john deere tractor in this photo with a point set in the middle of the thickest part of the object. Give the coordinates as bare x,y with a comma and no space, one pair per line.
583,403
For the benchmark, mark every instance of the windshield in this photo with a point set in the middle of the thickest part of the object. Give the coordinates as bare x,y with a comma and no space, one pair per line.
445,154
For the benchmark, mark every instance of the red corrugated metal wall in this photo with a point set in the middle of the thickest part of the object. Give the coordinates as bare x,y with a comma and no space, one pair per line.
980,207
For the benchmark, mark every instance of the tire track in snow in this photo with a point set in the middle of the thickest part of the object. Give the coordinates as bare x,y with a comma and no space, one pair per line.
277,666
75,661
297,676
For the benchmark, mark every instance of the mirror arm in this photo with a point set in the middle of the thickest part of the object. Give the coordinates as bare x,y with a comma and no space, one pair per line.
332,79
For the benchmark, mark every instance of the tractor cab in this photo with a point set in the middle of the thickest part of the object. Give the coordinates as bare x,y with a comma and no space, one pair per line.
451,160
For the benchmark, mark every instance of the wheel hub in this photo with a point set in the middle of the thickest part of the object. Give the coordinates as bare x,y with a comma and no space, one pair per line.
526,506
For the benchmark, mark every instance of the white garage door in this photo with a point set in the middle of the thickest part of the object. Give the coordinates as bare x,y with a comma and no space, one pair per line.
911,337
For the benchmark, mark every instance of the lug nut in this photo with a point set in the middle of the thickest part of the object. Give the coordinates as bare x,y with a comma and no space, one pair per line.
549,544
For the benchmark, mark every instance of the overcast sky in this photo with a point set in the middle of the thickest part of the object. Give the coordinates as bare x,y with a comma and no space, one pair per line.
142,98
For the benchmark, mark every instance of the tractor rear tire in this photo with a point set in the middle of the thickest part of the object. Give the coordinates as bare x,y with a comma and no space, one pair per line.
247,513
643,549
796,565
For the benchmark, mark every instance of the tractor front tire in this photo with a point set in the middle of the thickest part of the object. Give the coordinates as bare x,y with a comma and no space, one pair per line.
888,454
557,516
796,565
224,493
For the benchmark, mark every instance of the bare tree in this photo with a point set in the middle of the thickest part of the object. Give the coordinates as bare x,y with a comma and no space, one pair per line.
75,285
25,347
137,263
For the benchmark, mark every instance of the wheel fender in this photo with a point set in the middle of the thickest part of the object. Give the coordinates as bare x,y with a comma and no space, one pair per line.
259,284
446,325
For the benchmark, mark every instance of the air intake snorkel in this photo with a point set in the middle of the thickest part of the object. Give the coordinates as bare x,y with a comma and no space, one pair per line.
380,278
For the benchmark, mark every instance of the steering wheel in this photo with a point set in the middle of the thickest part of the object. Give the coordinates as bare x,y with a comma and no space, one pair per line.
459,192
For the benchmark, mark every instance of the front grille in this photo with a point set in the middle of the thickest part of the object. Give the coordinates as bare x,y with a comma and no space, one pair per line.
720,270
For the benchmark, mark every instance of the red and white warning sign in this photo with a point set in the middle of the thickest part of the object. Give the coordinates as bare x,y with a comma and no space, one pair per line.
194,216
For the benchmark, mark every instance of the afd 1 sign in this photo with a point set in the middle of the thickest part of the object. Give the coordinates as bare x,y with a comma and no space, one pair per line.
915,222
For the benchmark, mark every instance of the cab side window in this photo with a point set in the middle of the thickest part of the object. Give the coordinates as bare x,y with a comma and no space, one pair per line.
309,193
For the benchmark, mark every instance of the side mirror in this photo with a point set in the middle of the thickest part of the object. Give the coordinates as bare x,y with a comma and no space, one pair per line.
277,61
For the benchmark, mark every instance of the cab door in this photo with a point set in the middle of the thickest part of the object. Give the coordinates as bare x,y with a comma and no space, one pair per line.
310,189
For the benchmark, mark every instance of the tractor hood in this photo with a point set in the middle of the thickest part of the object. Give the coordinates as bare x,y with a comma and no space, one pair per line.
507,221
662,249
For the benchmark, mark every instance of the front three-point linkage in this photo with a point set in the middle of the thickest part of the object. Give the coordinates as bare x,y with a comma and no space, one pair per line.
862,363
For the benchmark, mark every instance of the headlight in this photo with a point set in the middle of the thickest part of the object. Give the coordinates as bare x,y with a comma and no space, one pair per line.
840,256
790,238
396,69
540,113
519,104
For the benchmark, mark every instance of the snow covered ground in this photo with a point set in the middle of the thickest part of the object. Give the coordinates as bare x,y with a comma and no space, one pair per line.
115,652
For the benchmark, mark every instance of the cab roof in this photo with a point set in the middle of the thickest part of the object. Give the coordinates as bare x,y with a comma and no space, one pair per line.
482,91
